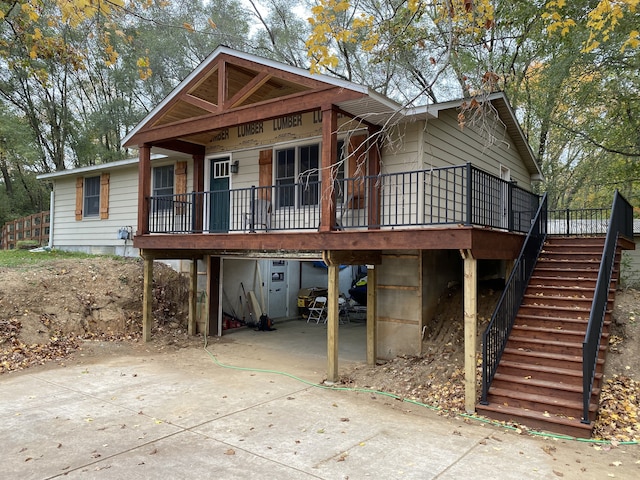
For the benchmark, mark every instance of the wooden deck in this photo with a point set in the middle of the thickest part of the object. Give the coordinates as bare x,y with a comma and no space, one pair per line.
482,242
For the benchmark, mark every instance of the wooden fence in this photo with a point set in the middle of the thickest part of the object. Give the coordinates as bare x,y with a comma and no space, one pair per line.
34,227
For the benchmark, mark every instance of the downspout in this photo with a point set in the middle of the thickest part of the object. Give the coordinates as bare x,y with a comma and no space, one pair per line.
51,210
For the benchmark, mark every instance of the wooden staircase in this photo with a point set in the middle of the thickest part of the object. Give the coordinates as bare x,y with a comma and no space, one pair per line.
538,382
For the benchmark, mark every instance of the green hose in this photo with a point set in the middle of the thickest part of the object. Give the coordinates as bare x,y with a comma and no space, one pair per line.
413,402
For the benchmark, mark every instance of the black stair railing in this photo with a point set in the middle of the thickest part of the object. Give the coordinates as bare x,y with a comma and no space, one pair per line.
497,333
620,224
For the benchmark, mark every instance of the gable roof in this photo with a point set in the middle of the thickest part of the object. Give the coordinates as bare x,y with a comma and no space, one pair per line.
224,87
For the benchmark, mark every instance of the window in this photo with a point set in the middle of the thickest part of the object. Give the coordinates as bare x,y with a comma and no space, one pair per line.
291,163
91,196
163,187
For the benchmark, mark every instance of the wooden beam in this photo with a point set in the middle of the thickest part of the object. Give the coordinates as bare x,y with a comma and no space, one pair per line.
182,147
147,299
372,315
200,103
333,292
144,188
296,103
470,329
308,82
198,186
193,297
207,300
248,90
352,257
373,207
454,238
327,159
223,84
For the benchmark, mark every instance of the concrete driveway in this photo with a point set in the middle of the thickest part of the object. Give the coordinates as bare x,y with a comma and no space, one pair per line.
160,412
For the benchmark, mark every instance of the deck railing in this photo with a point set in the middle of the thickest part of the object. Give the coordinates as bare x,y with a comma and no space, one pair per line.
497,332
582,221
439,196
620,224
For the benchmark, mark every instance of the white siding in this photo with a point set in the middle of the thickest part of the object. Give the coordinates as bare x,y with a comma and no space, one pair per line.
95,235
487,146
402,152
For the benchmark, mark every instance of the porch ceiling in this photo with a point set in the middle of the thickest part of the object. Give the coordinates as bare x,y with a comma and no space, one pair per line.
482,242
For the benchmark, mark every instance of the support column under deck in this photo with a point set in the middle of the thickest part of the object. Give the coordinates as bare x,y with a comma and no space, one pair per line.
332,322
470,329
372,302
147,298
193,296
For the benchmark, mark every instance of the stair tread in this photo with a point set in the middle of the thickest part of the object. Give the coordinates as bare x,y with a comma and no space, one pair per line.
549,342
545,369
559,308
545,417
563,288
538,398
550,355
561,331
549,318
527,380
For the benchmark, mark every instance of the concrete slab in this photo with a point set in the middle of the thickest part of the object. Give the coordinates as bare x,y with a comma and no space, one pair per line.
178,414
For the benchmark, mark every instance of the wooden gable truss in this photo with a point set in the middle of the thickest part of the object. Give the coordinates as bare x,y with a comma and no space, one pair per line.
232,91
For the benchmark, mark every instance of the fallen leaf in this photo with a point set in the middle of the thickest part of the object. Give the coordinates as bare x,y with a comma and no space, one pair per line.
230,451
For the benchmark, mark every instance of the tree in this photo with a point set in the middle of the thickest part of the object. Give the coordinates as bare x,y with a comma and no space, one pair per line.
20,192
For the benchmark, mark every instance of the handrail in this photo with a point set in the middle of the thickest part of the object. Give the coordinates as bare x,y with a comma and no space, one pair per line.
581,221
494,338
454,195
620,224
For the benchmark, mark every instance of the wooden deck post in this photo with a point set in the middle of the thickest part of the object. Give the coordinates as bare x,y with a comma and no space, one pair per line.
327,159
332,323
372,302
470,329
147,298
144,188
193,296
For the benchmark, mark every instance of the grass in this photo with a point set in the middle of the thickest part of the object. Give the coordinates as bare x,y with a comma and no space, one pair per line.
25,258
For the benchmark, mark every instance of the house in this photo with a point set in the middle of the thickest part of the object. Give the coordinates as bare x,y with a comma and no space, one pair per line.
286,165
252,173
91,208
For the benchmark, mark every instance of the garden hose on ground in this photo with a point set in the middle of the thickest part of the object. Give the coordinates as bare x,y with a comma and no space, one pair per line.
413,402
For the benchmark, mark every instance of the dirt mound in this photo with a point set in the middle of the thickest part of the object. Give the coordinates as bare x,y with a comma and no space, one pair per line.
45,310
437,377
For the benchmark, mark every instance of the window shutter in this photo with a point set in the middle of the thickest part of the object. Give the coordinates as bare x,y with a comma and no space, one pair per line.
266,173
79,197
104,196
181,178
357,151
180,186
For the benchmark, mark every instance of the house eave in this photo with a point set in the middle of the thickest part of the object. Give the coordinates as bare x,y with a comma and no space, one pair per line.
91,169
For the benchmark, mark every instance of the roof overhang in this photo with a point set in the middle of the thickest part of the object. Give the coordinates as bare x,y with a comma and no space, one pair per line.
74,172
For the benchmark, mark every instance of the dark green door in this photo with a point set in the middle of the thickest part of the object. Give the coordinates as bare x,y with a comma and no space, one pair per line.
219,196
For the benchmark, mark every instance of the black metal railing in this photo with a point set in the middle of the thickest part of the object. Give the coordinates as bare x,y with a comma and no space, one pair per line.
439,196
620,224
497,333
582,221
